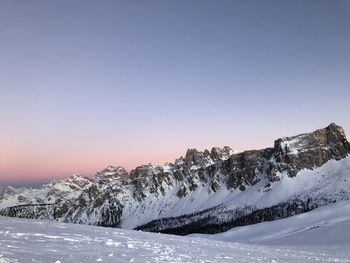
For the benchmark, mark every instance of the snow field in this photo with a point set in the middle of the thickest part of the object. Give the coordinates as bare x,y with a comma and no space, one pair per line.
23,240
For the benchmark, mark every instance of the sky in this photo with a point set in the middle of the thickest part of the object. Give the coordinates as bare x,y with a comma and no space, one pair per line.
87,84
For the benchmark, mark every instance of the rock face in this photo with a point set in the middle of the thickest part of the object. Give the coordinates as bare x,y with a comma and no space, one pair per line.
245,168
309,150
205,187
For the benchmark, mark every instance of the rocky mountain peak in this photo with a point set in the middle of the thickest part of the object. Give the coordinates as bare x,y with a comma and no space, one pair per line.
76,177
205,158
193,157
113,171
70,184
334,134
321,138
309,150
146,170
223,153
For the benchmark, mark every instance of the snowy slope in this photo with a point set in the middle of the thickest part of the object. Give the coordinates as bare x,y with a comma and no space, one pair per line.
327,226
23,240
325,184
330,180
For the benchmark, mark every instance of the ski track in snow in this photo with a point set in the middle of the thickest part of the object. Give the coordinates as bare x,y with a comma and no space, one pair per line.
23,240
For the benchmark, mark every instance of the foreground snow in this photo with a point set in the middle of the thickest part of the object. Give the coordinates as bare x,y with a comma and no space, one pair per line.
324,234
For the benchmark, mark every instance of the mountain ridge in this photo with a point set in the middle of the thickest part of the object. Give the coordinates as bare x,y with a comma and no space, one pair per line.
193,183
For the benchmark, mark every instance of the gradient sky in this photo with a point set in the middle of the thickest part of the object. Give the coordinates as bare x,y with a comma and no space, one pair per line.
86,84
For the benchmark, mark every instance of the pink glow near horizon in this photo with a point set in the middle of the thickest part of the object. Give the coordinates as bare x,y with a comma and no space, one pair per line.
17,166
26,165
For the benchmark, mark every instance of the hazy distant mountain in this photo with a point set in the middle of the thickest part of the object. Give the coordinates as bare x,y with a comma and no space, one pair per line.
206,192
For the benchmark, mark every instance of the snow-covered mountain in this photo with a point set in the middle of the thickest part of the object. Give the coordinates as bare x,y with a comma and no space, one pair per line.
208,191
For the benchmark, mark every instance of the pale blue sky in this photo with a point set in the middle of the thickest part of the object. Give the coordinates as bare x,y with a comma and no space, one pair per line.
85,84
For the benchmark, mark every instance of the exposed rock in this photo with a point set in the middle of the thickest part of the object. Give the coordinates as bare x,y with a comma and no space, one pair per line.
194,157
112,173
308,151
245,167
218,153
146,178
182,192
